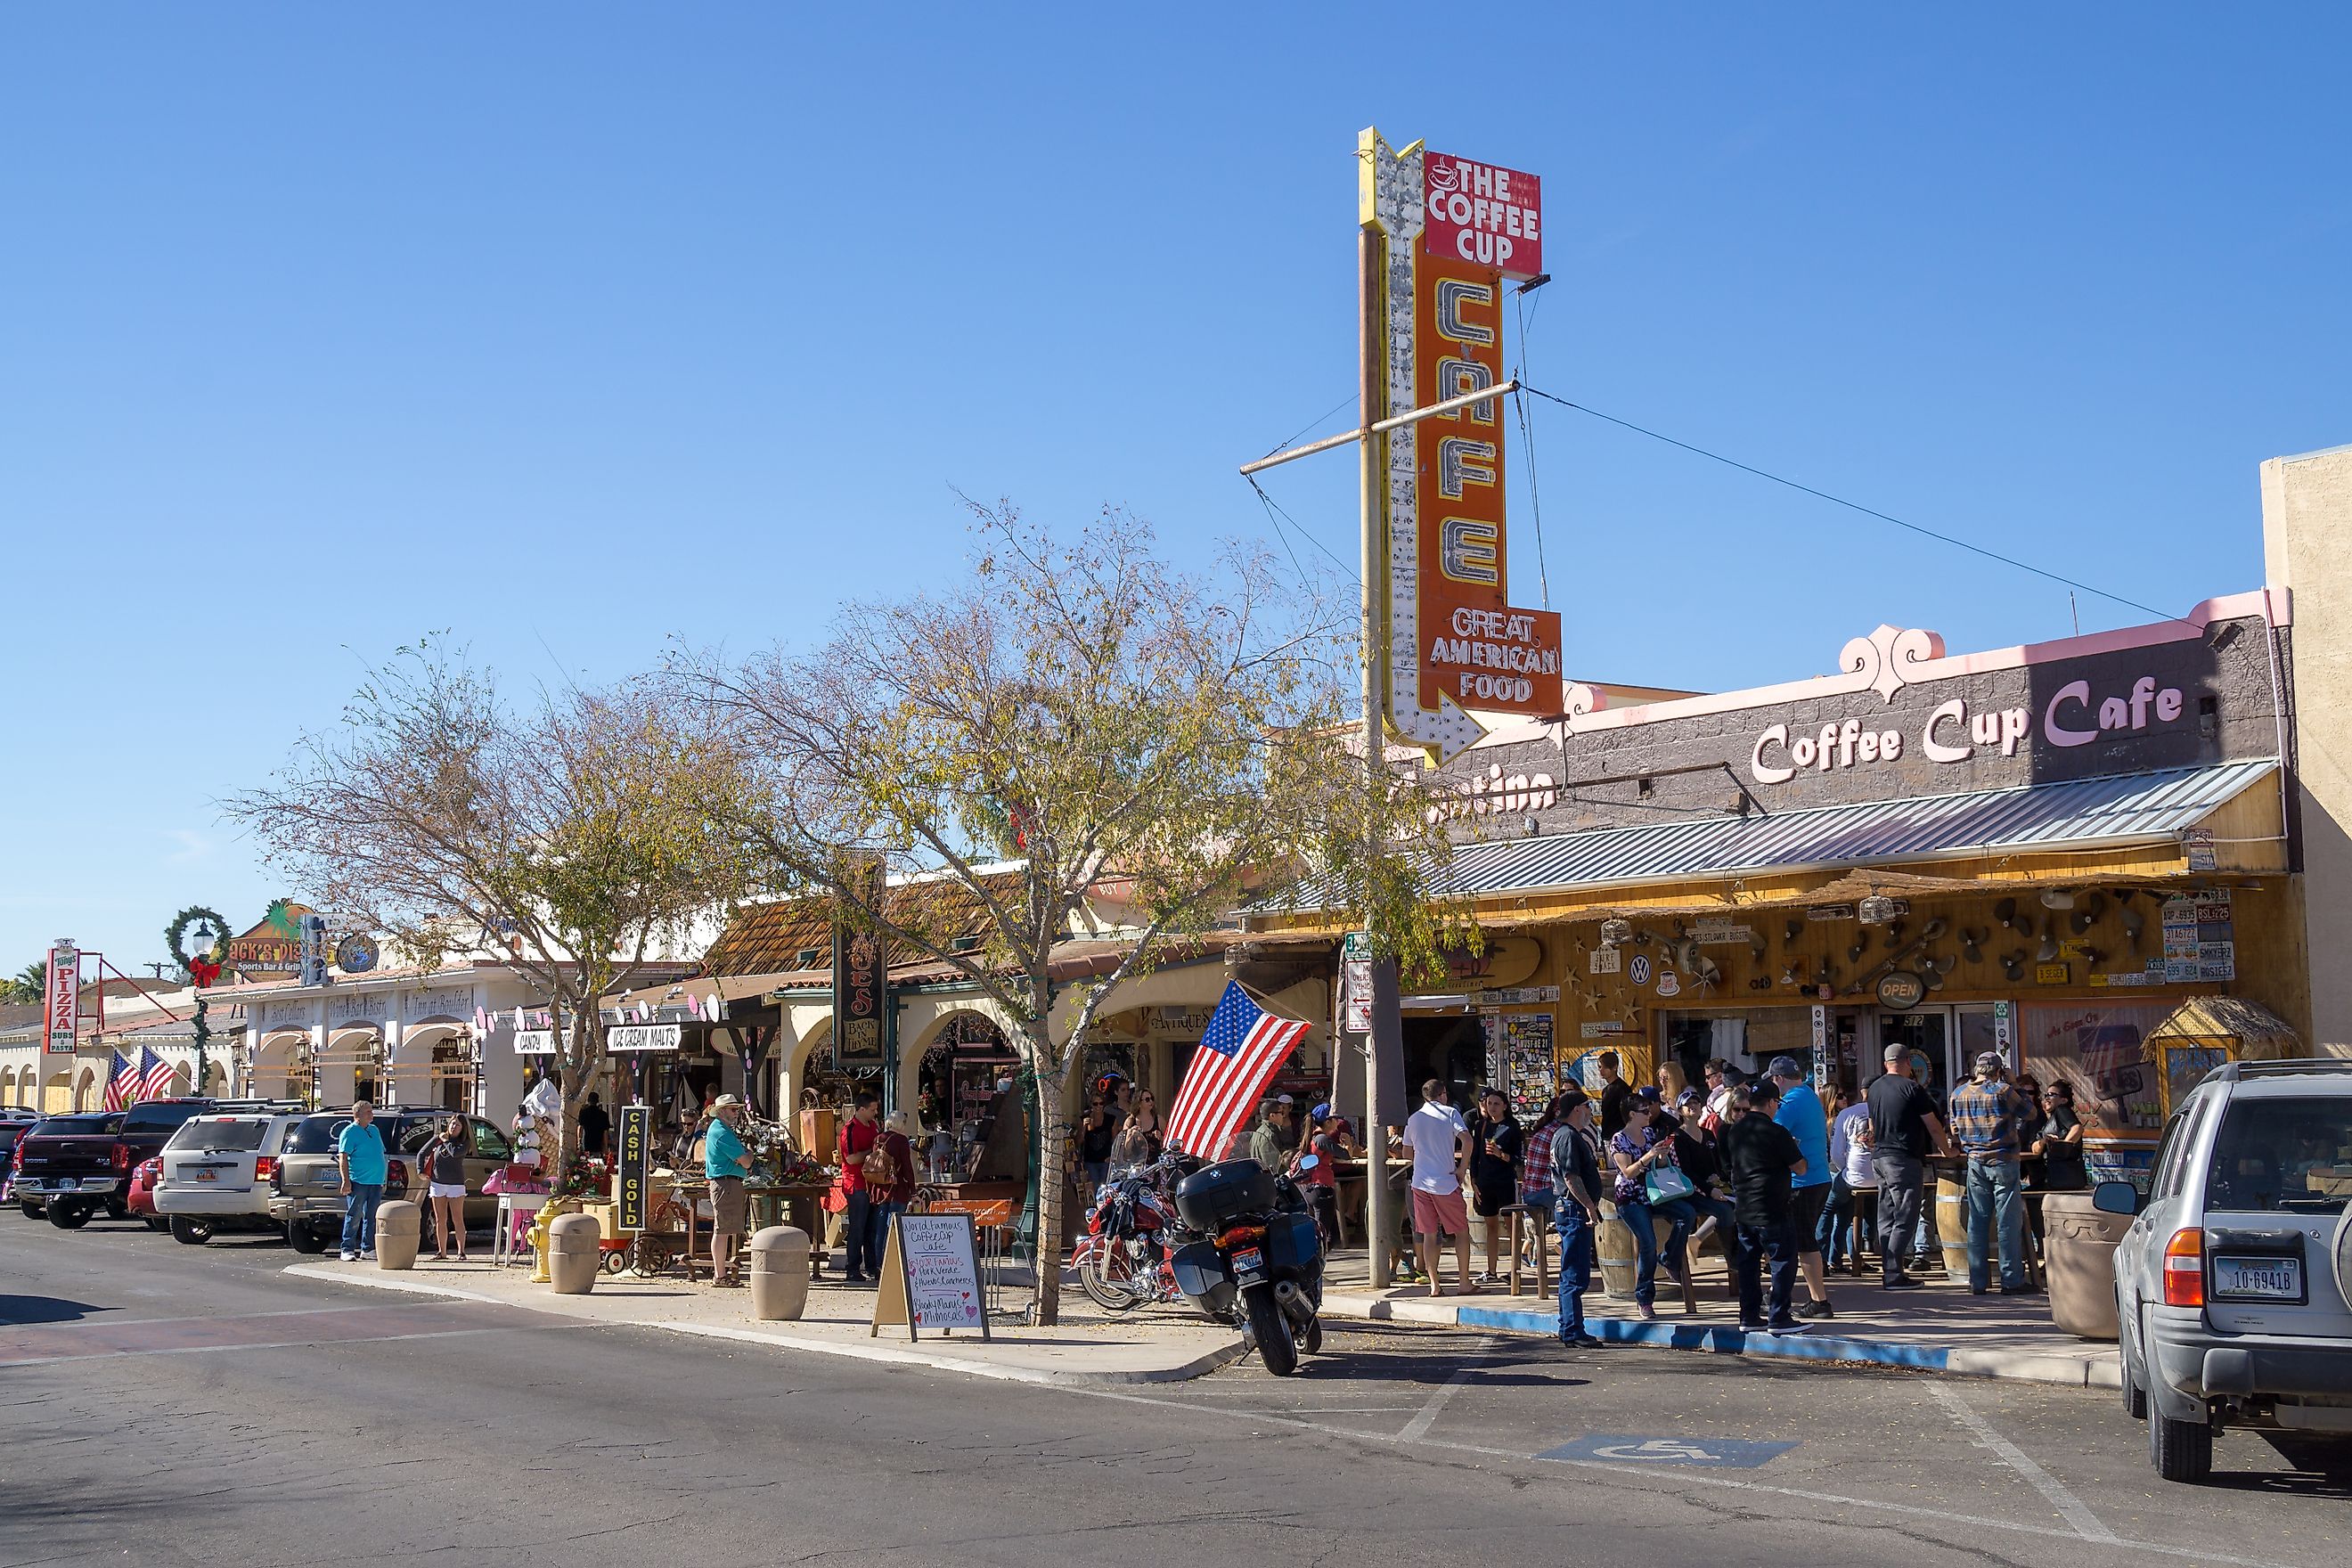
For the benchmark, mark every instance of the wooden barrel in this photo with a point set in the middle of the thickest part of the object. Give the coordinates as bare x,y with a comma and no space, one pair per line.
1613,1250
1952,1225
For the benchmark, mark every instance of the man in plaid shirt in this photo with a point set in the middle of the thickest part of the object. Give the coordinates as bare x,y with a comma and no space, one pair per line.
1986,1115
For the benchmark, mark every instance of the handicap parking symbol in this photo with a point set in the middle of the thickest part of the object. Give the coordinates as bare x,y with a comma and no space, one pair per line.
1709,1453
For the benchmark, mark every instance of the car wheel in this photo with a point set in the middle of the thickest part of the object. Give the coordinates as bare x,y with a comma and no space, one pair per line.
2180,1451
2134,1391
307,1239
30,1209
157,1222
69,1216
118,1210
189,1231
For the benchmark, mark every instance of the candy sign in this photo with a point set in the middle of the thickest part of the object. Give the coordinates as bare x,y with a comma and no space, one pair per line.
1481,214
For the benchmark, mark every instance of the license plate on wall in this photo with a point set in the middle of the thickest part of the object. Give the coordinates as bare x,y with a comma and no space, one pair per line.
2259,1278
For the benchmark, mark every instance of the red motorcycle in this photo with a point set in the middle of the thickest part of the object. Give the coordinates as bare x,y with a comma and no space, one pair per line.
1131,1229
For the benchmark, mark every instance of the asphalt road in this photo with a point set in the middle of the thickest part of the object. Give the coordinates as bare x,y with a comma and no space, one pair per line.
168,1406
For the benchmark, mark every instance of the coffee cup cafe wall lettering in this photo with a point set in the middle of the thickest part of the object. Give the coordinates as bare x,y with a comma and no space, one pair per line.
1902,717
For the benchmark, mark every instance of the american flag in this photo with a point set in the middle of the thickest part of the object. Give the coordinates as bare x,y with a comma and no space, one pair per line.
1238,1055
120,1083
155,1079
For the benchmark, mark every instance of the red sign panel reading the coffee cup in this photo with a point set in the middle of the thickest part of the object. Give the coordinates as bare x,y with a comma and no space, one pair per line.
1483,214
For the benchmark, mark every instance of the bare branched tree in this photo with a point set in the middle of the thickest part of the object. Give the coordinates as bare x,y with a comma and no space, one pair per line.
567,831
1076,728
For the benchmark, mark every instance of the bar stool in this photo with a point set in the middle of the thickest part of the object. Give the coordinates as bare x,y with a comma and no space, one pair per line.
1528,1225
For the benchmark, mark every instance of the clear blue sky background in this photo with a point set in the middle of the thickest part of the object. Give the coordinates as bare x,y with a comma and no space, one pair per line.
568,327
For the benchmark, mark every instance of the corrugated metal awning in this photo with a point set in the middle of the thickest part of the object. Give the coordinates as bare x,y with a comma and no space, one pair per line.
2139,808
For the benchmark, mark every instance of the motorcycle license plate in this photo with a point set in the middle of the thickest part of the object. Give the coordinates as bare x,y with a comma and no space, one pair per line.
1249,1263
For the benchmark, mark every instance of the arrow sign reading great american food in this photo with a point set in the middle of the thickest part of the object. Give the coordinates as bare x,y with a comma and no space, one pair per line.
1453,230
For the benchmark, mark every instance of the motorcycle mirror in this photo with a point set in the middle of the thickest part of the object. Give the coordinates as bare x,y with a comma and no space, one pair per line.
1309,1162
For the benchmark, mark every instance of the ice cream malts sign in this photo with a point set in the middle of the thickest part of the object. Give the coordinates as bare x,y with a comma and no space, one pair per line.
1481,214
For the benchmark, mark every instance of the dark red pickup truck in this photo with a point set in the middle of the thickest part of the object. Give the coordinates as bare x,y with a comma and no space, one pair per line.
71,1166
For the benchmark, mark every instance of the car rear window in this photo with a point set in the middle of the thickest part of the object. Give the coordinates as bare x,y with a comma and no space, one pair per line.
87,1125
148,1117
243,1134
2283,1152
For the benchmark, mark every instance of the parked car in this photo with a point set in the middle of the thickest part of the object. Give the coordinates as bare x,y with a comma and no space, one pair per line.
307,1196
76,1165
16,1120
2233,1284
217,1170
140,1201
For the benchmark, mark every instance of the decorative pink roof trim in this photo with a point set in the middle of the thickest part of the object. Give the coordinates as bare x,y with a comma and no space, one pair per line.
1889,659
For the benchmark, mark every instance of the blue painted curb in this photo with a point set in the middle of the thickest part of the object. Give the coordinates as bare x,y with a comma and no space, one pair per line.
1719,1338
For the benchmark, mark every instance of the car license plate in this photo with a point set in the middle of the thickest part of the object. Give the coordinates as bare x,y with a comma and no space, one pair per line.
1249,1262
68,1183
2267,1278
206,1173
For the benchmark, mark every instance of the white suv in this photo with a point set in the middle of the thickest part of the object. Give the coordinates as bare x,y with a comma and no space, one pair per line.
216,1172
2234,1285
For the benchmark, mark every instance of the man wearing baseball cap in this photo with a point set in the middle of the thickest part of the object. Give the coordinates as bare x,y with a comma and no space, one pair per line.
1801,1113
1986,1114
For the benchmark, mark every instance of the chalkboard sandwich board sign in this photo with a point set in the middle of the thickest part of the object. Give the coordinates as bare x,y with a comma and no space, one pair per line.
931,1277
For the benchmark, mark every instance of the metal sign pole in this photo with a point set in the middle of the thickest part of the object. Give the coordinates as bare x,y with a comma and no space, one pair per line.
1370,471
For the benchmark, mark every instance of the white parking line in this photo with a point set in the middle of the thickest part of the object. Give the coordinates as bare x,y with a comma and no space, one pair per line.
1418,1428
2070,1507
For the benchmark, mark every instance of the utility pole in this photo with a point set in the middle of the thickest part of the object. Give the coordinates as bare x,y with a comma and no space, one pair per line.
1371,369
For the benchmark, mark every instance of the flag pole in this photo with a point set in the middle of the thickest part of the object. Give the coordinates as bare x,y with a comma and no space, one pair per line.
1372,358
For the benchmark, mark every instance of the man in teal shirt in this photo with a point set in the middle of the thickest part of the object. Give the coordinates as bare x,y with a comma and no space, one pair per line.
725,1162
359,1157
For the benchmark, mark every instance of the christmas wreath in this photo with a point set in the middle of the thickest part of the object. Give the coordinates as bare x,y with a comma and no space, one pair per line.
204,964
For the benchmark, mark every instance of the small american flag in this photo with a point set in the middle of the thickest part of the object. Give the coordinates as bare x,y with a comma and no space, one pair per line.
120,1083
1238,1055
154,1075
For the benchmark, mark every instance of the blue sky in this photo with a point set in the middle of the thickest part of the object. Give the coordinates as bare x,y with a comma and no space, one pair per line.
569,328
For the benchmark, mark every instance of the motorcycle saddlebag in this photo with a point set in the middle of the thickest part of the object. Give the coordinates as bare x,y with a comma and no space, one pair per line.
1200,1273
1292,1242
1215,1193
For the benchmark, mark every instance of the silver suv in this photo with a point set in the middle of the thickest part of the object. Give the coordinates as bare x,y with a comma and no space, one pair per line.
2233,1285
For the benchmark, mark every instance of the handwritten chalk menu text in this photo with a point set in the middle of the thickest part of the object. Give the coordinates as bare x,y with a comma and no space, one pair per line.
942,1267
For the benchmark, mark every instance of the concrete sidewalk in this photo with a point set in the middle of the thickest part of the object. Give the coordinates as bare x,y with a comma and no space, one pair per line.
1089,1348
1939,1328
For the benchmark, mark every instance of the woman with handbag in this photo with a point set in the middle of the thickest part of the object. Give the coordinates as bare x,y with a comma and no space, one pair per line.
1649,1184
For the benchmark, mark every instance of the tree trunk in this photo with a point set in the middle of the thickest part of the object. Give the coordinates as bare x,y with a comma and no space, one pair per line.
581,1064
1053,1146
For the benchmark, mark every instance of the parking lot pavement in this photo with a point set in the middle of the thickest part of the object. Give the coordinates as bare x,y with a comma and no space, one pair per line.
190,1430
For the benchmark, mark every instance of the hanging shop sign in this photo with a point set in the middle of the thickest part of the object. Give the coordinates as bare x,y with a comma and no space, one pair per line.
355,954
1455,642
860,977
643,1037
636,1144
61,998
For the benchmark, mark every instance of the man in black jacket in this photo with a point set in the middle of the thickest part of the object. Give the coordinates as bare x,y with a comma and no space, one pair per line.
1576,1197
1614,1092
1760,1156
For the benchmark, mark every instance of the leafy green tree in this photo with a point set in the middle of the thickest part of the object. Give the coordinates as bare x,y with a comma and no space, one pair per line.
28,985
